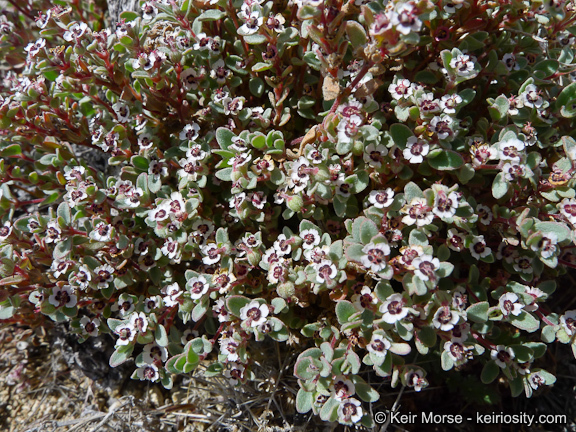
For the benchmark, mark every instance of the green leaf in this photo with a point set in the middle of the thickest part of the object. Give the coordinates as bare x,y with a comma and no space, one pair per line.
173,363
356,34
400,134
365,391
235,303
256,86
140,163
304,401
160,335
525,321
489,372
64,212
499,186
548,334
224,174
411,191
329,411
566,97
129,15
255,39
478,312
427,336
561,230
224,137
121,355
445,160
11,151
211,15
192,357
261,67
499,108
62,249
344,310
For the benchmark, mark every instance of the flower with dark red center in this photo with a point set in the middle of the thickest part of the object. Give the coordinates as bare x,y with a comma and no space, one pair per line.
393,309
502,355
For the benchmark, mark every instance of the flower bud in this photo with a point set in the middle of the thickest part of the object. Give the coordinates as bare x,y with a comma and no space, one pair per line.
286,290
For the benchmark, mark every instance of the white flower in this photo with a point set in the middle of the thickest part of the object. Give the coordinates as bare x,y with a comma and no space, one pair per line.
342,387
58,267
53,232
171,249
463,65
171,292
406,19
149,10
212,254
428,104
235,373
74,172
63,297
441,126
125,305
190,132
90,326
122,111
82,276
425,267
536,380
450,102
252,24
445,206
509,61
484,213
375,256
401,89
153,352
568,322
531,97
126,333
568,209
511,149
325,271
523,264
417,212
220,310
350,411
103,275
457,351
198,286
139,321
282,245
76,31
445,319
415,150
415,378
254,313
219,72
310,238
348,128
229,347
393,309
379,345
381,198
6,230
502,355
189,78
147,372
374,154
509,304
478,247
195,153
102,232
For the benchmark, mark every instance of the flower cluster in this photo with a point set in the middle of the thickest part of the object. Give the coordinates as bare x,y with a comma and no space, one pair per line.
390,181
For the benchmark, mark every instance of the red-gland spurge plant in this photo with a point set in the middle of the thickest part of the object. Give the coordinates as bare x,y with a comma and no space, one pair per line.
390,182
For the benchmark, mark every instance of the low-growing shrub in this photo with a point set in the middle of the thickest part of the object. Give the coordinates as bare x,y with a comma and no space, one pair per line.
387,185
